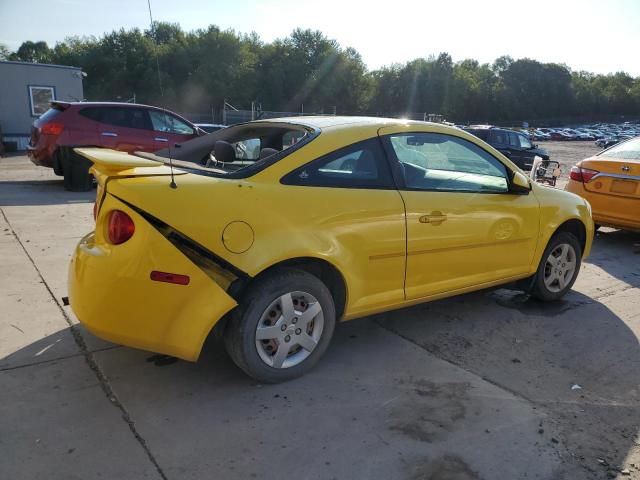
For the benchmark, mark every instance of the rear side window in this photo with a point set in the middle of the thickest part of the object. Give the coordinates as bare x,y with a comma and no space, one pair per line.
361,165
119,116
500,137
481,134
92,113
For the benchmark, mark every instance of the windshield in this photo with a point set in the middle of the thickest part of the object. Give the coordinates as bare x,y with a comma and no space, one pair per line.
627,150
241,150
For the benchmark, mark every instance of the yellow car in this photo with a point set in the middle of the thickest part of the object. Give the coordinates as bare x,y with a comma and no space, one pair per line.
292,224
610,182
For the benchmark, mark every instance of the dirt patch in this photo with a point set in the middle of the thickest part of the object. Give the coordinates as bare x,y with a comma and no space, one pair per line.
430,410
447,467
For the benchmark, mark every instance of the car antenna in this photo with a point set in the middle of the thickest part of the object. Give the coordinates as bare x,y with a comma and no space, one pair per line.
164,110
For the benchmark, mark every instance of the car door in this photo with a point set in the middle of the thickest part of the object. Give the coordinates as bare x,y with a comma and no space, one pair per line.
527,152
517,155
169,129
464,226
126,128
352,196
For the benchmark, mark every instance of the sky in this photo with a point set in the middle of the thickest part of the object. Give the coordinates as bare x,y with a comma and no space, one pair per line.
597,36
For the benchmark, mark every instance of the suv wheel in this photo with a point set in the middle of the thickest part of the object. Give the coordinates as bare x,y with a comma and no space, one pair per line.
75,170
282,326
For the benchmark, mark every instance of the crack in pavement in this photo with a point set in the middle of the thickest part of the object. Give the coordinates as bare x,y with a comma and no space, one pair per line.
89,359
56,359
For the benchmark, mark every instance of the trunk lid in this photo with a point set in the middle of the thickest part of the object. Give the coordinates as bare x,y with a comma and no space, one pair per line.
617,176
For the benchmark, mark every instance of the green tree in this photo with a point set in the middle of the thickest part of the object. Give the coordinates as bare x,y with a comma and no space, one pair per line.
35,52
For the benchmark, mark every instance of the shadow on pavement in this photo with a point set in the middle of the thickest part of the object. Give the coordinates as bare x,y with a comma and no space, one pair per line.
617,252
40,192
576,359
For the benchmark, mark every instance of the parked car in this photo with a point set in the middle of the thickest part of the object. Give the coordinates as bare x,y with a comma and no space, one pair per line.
210,127
119,126
513,145
540,135
610,182
576,134
561,135
358,216
606,142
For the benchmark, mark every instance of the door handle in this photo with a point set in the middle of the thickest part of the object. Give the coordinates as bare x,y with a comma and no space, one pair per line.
160,139
434,218
109,134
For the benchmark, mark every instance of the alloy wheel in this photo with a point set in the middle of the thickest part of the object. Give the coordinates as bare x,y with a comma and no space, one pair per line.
559,267
289,329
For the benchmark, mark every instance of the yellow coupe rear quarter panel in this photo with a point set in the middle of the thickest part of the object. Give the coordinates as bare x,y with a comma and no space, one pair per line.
111,292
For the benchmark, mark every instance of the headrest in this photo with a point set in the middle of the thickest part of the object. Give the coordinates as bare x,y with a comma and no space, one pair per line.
224,151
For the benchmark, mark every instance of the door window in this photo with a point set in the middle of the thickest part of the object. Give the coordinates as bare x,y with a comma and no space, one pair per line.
361,165
525,142
165,122
513,140
439,162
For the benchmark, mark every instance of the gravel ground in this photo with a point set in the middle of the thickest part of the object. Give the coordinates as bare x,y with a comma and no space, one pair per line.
568,154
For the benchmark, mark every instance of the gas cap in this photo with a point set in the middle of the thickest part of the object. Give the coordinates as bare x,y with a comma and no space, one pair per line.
237,236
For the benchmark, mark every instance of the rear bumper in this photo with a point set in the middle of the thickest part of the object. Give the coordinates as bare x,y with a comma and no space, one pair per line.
609,210
41,156
111,293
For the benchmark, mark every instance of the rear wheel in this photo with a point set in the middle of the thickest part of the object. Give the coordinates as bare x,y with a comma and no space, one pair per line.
558,268
75,169
282,326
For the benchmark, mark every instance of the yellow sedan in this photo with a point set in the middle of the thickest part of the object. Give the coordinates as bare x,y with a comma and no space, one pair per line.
610,182
269,232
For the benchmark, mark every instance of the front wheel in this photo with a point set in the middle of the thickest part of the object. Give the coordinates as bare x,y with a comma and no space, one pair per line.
282,326
558,267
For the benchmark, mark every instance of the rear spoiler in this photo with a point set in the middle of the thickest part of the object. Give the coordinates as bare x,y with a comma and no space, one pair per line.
114,161
60,105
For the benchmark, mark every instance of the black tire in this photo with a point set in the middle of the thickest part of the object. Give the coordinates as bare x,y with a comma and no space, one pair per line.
540,289
75,169
57,164
240,332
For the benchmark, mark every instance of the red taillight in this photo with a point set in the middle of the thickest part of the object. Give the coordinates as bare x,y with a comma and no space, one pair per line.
121,227
169,278
582,174
52,128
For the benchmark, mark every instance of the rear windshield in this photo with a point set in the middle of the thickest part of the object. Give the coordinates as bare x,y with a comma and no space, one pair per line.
628,150
241,150
50,114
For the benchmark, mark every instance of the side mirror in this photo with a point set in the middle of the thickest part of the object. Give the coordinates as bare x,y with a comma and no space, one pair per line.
520,183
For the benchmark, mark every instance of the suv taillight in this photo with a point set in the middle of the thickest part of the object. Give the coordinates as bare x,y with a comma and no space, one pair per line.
52,128
120,228
582,174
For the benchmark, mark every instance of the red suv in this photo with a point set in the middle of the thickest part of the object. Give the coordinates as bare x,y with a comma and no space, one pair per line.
121,126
